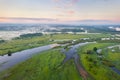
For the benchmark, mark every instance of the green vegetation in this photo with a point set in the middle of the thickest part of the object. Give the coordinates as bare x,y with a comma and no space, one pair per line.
114,56
47,65
30,35
109,41
44,66
98,65
78,36
67,30
33,41
22,44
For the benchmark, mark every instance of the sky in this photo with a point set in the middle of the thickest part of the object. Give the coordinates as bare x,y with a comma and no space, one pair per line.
59,11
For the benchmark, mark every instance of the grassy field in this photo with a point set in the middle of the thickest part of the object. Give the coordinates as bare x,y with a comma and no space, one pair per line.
26,43
94,64
44,66
22,44
47,65
78,36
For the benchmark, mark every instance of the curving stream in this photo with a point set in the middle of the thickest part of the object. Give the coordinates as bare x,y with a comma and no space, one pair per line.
72,53
115,70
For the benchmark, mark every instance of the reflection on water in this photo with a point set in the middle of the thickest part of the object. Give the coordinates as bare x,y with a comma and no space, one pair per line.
10,60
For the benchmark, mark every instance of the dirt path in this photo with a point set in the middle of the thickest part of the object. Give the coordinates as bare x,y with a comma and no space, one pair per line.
80,69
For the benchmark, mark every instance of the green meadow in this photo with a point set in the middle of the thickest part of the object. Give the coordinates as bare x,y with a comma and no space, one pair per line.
48,65
44,66
97,67
12,46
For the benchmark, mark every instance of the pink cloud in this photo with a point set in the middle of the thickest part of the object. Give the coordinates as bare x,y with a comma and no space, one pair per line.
70,12
65,7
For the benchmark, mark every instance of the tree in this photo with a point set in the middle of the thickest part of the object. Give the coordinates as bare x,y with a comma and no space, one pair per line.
95,49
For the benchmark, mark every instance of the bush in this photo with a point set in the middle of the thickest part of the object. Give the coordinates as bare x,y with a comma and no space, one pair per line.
90,59
89,52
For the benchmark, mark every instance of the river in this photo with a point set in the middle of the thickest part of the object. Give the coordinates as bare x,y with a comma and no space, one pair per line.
17,57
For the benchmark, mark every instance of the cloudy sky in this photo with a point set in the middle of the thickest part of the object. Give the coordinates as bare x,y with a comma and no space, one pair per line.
49,11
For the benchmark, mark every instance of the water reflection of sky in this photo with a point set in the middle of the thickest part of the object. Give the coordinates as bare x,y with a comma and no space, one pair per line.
9,61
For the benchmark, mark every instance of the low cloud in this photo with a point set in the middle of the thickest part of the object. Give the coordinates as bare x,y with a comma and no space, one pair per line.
19,19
